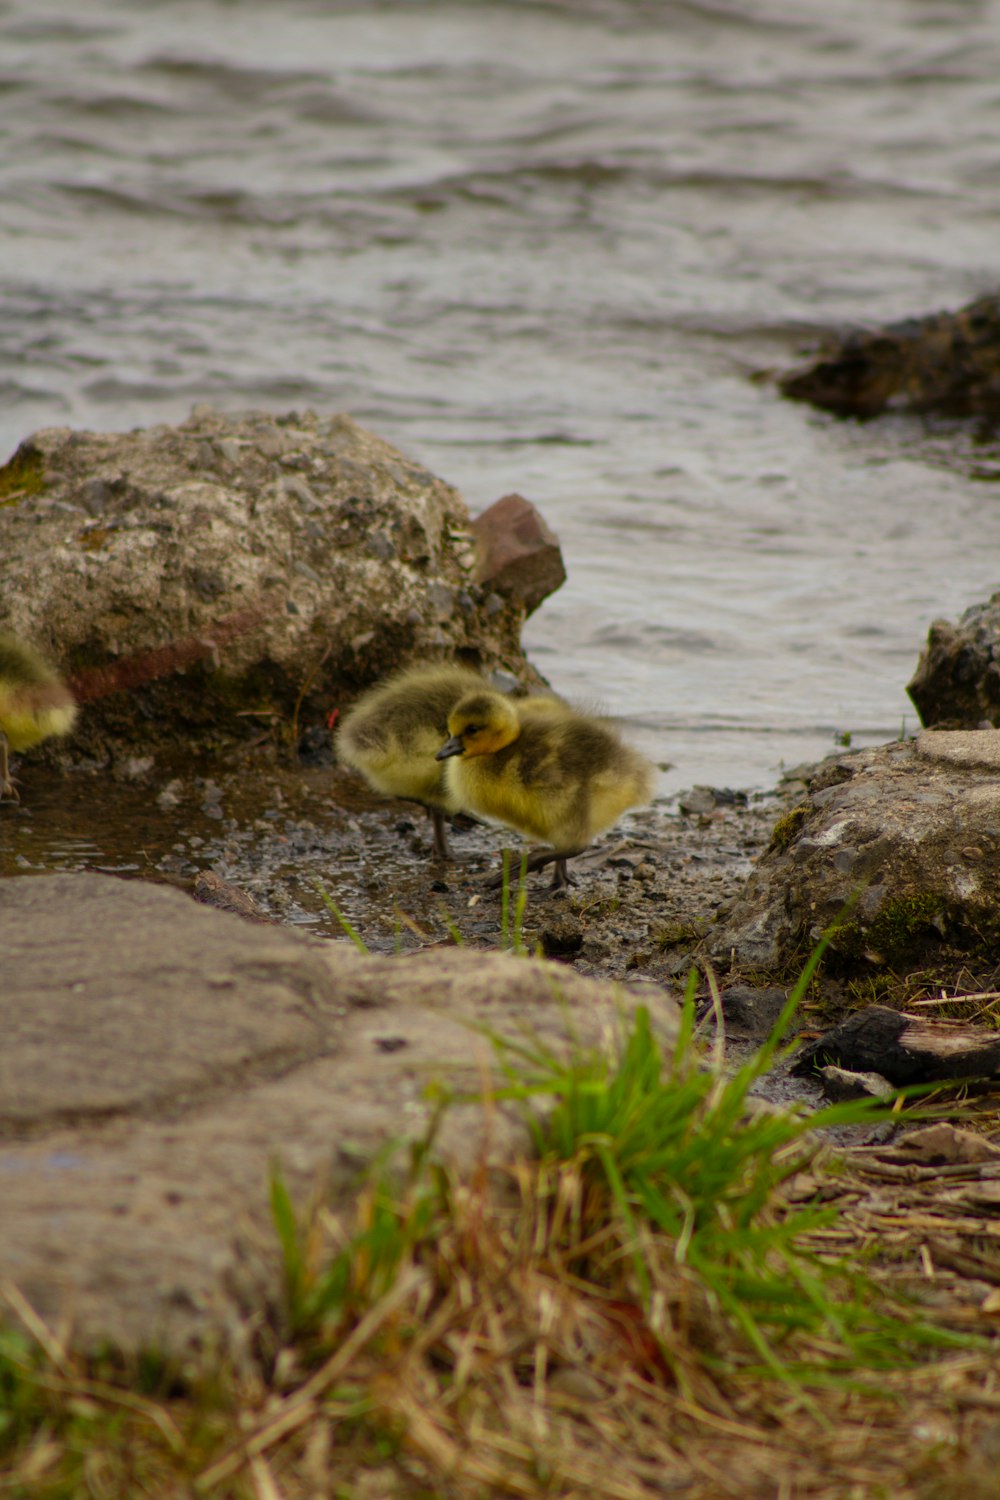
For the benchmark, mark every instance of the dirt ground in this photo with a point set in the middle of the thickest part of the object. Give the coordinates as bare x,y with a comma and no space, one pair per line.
643,896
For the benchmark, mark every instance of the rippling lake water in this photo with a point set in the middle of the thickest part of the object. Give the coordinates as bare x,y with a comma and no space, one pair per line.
546,248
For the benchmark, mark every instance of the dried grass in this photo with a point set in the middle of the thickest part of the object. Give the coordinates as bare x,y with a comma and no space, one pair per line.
534,1330
503,1373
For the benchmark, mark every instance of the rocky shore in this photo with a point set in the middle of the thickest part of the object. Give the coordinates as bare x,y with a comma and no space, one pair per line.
210,591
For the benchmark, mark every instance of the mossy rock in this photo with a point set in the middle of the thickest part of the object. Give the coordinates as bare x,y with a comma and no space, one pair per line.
788,826
895,859
22,476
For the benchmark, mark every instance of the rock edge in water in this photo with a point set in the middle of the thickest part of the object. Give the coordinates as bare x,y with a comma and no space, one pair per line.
945,362
957,681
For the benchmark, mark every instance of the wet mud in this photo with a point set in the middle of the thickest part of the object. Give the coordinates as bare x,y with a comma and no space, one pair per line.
298,837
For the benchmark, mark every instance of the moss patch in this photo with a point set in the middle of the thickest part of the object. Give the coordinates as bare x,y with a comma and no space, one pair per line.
678,934
787,828
22,476
904,925
897,936
922,933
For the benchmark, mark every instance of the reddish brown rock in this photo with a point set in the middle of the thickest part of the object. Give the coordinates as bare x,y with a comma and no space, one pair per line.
519,556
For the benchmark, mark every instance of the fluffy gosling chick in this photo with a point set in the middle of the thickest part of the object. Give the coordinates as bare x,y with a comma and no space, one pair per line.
394,731
34,704
542,768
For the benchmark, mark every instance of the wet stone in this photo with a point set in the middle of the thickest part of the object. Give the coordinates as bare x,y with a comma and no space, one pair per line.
840,1084
752,1012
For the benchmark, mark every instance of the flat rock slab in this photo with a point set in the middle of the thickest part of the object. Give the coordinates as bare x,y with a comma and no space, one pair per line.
96,1048
160,1056
972,749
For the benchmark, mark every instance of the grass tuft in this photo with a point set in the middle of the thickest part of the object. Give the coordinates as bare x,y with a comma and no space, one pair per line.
346,927
676,1291
512,917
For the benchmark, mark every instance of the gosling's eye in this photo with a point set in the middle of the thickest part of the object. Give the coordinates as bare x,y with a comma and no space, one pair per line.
473,729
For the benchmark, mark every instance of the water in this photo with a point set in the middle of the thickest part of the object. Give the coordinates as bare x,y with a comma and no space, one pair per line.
545,247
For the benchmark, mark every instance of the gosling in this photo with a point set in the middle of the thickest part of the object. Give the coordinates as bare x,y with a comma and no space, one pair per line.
543,769
35,703
393,733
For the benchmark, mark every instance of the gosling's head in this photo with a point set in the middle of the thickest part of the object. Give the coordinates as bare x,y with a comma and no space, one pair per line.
480,724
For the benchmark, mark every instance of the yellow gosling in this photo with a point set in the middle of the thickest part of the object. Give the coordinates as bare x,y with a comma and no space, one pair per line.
393,733
543,769
34,704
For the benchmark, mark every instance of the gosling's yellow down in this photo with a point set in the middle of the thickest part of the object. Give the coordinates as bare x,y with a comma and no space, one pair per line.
542,768
393,733
34,704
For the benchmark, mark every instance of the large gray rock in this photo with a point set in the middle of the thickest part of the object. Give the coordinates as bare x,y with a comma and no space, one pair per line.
910,832
957,681
186,576
159,1056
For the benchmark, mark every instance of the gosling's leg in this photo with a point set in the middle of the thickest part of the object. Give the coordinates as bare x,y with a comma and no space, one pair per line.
561,878
441,847
7,788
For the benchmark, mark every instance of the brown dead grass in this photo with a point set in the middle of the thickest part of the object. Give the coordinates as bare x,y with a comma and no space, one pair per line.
527,1381
512,1361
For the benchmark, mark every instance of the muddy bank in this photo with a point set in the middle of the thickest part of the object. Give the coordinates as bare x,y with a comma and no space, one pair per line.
280,829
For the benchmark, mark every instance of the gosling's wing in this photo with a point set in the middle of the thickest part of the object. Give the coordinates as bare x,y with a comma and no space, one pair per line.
393,733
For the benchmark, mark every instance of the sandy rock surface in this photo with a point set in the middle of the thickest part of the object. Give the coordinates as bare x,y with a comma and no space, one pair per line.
159,1056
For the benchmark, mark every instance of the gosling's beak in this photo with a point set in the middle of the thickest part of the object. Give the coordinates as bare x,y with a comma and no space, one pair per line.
452,746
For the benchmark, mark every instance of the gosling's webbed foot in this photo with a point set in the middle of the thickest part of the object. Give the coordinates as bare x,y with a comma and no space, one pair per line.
9,792
561,878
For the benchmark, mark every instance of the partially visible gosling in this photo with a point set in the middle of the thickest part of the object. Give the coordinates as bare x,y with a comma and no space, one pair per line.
34,704
542,768
393,733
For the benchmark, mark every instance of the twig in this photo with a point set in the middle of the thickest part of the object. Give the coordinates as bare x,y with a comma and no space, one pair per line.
37,1327
70,1383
